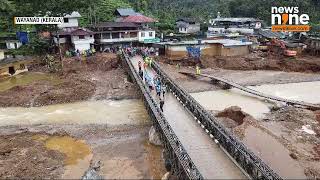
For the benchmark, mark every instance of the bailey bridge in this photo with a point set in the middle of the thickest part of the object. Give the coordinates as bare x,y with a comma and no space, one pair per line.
196,144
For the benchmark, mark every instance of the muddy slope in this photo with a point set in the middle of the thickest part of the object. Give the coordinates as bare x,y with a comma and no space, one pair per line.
98,77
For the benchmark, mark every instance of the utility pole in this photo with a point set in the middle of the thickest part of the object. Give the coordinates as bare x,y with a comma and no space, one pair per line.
60,54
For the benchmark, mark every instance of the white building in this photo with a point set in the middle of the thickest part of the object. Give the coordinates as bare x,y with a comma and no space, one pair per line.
146,35
76,38
117,33
82,39
187,26
70,20
71,36
233,25
13,44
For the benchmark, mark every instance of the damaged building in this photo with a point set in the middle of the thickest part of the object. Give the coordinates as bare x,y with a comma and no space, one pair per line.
209,48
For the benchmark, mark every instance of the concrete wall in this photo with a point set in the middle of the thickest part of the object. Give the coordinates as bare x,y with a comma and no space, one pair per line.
234,51
209,50
73,22
1,55
13,45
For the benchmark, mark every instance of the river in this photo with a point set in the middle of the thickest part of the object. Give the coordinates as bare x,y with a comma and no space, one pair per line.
112,132
257,106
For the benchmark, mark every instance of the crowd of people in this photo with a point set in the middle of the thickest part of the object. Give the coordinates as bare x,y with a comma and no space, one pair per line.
154,83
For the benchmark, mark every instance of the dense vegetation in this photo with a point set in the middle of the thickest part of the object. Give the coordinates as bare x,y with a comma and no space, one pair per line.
166,11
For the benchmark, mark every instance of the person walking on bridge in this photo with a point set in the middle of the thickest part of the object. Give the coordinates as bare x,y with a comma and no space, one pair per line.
158,89
141,74
161,103
164,89
139,65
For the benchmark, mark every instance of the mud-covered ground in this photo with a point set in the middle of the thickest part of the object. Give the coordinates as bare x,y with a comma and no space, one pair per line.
20,151
287,139
121,152
256,61
245,78
263,61
45,149
98,77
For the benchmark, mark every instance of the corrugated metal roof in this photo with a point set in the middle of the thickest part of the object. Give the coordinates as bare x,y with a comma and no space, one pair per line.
270,34
224,42
74,14
188,20
126,11
236,19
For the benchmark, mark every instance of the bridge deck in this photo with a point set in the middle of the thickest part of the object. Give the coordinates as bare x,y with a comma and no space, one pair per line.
208,157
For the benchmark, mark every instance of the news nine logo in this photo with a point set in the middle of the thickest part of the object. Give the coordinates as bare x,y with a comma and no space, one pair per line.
289,19
38,20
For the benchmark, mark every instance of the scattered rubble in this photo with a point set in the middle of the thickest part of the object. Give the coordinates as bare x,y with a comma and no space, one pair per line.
23,157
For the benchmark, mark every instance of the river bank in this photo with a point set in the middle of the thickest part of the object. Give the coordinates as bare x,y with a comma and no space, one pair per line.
62,125
69,147
286,138
99,77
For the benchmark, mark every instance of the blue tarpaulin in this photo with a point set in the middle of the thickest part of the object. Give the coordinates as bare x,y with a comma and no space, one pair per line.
194,51
23,37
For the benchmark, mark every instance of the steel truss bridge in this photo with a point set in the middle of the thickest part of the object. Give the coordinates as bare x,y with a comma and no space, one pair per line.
197,145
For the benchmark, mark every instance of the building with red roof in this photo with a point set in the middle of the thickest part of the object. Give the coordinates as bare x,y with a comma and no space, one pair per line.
138,19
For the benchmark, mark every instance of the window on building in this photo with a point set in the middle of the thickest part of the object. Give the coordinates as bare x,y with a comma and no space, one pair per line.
143,34
185,29
65,20
115,35
150,34
106,36
133,34
81,37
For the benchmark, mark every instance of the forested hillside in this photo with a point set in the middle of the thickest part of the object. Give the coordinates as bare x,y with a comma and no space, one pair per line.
166,11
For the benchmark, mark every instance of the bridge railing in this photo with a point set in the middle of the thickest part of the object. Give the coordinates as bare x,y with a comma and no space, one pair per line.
248,161
179,155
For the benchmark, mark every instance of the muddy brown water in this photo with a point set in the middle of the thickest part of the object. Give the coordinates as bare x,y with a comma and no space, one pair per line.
79,153
257,106
27,78
112,113
274,153
262,144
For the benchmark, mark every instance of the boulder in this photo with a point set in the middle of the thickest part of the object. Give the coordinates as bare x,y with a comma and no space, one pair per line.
154,137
